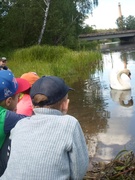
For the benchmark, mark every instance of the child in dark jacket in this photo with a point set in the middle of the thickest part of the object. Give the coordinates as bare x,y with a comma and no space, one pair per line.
10,88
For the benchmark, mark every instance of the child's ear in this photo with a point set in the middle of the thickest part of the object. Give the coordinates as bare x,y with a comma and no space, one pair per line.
64,106
8,101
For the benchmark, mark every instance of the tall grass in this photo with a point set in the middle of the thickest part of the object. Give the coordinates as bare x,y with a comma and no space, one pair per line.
53,60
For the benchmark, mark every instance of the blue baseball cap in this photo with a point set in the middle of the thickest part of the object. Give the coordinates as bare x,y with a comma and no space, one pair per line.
54,88
9,85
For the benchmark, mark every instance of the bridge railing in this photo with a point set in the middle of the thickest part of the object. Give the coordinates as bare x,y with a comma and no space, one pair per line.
107,33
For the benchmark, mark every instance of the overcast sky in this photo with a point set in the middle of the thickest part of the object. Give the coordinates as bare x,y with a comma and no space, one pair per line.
105,14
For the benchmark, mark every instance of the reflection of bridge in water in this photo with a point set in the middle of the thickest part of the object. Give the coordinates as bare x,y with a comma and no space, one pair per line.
117,46
122,35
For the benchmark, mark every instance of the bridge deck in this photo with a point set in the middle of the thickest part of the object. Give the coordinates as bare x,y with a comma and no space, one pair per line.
107,35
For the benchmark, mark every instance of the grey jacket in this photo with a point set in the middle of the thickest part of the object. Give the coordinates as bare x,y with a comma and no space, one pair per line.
47,146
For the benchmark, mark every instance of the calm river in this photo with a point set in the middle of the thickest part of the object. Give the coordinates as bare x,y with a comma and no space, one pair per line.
107,117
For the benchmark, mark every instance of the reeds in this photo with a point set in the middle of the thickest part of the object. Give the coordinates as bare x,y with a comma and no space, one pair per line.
54,60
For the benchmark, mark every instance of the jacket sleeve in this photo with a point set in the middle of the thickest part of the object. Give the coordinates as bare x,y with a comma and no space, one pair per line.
11,119
79,158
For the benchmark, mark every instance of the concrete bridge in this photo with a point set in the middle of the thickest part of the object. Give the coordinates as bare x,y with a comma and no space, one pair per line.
122,35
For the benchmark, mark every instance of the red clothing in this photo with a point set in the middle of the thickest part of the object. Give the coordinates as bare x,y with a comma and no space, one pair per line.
25,106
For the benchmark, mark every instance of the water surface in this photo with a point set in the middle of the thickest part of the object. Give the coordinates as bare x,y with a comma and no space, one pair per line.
107,116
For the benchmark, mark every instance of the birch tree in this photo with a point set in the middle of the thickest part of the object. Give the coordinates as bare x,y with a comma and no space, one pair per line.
46,10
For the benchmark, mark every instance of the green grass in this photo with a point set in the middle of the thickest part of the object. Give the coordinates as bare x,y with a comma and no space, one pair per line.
54,60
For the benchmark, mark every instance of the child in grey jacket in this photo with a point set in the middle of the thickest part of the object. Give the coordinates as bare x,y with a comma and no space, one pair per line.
49,145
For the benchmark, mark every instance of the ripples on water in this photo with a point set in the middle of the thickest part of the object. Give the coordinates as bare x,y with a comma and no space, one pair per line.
107,117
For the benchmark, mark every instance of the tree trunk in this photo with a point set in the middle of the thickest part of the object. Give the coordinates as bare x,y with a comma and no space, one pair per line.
47,3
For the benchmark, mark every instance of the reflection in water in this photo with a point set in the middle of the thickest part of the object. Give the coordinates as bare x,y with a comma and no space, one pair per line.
94,98
122,97
90,109
106,116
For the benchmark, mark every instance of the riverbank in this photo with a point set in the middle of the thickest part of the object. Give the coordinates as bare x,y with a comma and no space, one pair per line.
122,167
54,60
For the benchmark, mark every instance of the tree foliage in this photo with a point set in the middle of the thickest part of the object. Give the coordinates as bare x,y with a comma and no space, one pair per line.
130,23
88,30
126,23
25,22
121,23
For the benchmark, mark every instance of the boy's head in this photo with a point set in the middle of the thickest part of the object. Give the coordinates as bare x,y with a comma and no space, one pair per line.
10,87
48,91
31,77
3,61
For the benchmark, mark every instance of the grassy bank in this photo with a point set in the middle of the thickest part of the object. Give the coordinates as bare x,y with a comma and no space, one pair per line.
54,60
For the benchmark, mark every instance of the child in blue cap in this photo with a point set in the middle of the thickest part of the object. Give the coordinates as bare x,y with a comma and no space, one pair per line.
10,87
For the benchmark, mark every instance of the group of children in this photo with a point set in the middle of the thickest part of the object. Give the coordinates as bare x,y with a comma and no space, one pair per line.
38,140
